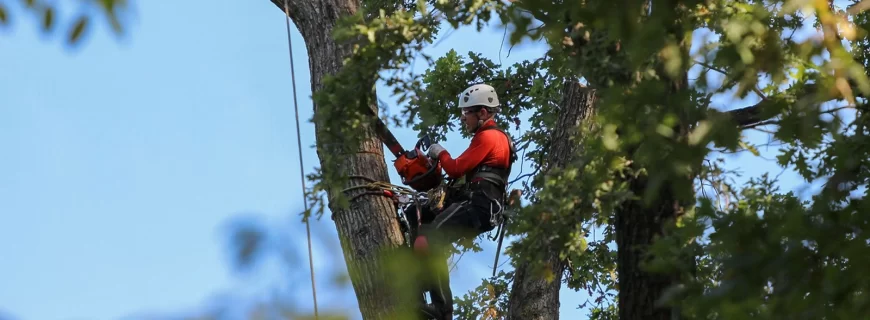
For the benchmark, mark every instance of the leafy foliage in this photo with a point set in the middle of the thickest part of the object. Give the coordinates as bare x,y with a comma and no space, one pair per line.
487,301
655,123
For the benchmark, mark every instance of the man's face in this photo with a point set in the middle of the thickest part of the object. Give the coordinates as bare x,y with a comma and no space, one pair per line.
469,119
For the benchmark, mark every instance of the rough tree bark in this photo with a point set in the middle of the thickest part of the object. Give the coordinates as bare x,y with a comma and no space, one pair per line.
368,225
637,226
533,297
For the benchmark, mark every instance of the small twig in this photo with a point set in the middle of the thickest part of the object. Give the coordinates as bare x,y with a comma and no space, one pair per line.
711,67
759,124
524,176
500,47
507,259
522,163
835,110
456,262
449,33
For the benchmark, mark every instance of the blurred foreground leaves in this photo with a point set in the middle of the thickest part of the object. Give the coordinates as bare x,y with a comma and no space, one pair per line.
47,15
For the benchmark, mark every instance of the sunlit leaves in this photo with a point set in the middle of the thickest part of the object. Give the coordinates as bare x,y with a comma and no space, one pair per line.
486,302
777,253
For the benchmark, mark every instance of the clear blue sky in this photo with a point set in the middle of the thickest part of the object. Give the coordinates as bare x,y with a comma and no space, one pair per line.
124,160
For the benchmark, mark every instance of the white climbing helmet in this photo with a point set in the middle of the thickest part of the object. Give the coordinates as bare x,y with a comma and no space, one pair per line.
478,95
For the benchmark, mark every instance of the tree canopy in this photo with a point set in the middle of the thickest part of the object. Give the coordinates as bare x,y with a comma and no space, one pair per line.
657,68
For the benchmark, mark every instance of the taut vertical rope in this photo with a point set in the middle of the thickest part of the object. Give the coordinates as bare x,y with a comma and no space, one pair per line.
299,146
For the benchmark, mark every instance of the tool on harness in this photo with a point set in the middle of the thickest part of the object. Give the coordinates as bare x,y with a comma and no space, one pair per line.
415,168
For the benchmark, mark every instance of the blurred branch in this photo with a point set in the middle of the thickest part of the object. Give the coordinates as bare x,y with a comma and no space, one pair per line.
858,7
753,116
711,67
761,124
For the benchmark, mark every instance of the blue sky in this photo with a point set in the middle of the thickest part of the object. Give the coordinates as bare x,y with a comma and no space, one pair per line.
125,159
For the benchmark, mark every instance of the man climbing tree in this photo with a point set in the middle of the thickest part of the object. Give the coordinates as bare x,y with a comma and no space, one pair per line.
476,206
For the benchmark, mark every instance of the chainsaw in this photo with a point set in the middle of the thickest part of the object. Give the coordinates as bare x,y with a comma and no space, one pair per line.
415,168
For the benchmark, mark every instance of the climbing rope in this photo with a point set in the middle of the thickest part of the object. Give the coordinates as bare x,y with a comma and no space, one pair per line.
395,191
380,188
301,166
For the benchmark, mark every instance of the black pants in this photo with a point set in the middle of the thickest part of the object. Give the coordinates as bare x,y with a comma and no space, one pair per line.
461,219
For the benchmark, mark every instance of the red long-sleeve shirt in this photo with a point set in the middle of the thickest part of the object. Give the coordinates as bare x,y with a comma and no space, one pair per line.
489,147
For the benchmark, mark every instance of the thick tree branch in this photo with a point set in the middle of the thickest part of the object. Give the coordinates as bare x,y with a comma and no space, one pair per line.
747,116
751,116
299,10
312,17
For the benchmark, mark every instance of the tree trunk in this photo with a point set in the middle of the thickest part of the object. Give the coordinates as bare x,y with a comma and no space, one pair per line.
368,226
533,297
638,224
636,227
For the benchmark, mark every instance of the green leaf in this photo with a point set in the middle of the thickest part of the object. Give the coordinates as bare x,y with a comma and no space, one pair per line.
4,18
47,18
749,147
117,27
77,29
700,133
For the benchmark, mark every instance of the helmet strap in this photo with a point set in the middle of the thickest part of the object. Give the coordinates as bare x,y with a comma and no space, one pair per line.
479,120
